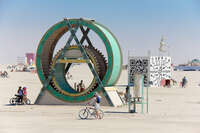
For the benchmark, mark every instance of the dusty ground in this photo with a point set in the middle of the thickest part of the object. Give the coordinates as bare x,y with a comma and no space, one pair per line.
171,110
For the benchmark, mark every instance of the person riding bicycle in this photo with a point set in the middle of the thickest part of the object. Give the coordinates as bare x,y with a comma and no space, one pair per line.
20,94
95,102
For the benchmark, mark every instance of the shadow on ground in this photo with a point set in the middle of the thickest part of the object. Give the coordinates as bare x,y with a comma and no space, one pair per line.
116,112
17,104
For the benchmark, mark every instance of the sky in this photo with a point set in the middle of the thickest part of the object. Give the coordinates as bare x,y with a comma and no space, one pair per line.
137,24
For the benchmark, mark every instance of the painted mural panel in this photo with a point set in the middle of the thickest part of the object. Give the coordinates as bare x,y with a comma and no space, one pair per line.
138,65
160,68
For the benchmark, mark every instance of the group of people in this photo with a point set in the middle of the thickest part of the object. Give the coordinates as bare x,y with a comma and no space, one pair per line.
4,74
22,94
170,82
80,87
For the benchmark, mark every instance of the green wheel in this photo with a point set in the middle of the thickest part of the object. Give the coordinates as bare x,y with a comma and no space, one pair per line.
108,71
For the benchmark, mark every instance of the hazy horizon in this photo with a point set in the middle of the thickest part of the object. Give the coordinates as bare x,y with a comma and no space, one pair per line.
138,25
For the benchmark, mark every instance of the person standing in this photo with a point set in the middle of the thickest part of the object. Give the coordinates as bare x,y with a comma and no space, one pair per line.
24,94
81,86
184,82
126,94
95,102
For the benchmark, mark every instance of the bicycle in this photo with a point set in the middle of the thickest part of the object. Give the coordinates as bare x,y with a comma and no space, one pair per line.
90,111
15,100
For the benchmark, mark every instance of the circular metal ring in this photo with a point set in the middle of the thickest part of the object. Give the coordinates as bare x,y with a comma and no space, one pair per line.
47,45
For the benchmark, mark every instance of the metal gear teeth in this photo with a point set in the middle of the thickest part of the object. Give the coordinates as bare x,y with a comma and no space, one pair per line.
101,64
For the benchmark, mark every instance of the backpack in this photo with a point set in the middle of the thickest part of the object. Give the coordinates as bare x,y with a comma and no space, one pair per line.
98,99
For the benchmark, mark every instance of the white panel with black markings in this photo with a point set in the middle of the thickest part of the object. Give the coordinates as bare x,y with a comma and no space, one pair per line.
138,65
160,68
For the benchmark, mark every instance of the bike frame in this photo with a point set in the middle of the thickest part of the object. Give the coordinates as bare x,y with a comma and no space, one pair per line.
88,109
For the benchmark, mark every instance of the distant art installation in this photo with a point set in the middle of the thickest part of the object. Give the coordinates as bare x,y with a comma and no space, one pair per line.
163,46
52,68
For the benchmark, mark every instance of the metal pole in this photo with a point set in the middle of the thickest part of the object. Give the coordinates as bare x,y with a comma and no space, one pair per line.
147,99
142,94
129,100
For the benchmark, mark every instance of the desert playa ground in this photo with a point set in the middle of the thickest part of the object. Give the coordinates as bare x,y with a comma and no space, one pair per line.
171,110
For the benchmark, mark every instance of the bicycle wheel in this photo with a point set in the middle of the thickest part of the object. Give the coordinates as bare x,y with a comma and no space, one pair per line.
28,101
101,113
12,101
83,114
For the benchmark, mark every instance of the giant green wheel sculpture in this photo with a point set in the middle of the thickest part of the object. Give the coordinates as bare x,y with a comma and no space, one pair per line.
51,70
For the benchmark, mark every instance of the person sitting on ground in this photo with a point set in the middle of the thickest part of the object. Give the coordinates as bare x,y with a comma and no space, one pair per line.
95,102
24,94
20,94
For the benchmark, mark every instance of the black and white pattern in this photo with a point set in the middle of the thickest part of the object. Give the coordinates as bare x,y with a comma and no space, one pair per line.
160,68
154,69
138,65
